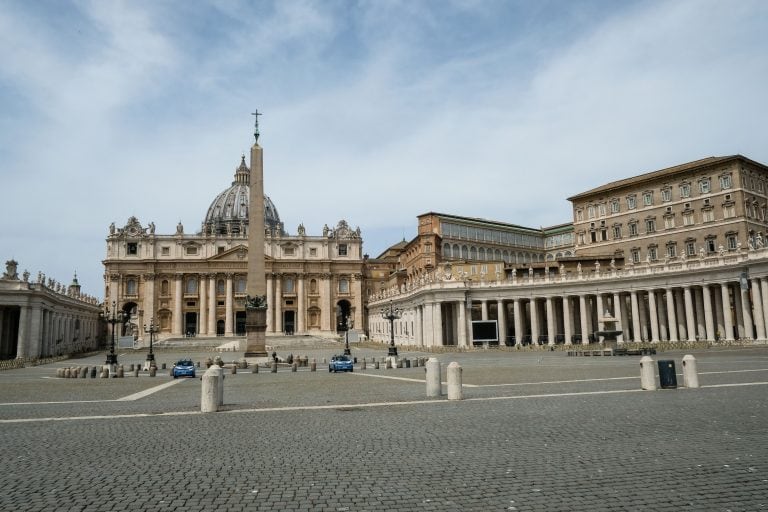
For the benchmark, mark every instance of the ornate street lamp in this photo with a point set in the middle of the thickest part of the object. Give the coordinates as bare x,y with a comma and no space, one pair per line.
347,352
151,330
391,314
115,318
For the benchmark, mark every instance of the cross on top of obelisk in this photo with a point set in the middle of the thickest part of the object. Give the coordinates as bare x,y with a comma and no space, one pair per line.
256,124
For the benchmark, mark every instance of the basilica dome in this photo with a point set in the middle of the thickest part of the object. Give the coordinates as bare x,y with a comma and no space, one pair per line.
228,213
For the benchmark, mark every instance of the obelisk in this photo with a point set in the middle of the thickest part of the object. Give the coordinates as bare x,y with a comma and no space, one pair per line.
256,286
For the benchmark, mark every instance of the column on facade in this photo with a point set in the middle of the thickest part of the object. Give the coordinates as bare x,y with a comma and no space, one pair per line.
518,321
228,308
550,321
726,309
438,323
689,315
501,313
270,303
583,319
746,307
36,332
279,303
600,312
429,327
212,305
758,310
709,318
567,319
625,329
21,338
178,320
325,301
203,287
484,309
302,312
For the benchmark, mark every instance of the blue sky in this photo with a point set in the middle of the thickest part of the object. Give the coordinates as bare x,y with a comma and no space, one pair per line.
374,111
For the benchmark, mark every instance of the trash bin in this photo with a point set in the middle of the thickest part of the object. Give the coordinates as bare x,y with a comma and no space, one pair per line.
667,376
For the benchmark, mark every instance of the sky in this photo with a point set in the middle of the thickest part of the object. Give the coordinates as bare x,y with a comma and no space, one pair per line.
373,111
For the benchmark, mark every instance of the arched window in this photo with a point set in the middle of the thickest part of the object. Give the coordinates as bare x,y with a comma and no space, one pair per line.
473,253
164,287
343,285
221,287
240,285
313,286
481,253
464,252
130,287
191,286
446,250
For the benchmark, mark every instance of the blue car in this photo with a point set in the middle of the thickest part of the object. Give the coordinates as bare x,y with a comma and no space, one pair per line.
183,368
340,364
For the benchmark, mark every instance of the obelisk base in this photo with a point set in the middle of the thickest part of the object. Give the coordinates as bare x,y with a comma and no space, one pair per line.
255,332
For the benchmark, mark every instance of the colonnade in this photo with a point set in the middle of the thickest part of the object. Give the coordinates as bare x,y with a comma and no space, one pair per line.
714,308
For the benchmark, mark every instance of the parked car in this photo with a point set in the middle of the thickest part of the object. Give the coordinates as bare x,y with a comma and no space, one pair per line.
340,364
183,368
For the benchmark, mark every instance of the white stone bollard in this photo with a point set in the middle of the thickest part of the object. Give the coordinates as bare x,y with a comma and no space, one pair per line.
454,381
434,387
220,372
690,373
209,398
647,375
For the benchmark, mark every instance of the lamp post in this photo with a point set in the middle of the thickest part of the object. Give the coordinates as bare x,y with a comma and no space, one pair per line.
113,319
152,329
391,314
347,352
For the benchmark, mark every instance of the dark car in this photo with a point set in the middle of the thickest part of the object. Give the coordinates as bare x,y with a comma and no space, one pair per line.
340,364
183,368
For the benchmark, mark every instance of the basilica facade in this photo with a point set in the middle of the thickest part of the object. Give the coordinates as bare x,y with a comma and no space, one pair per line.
194,284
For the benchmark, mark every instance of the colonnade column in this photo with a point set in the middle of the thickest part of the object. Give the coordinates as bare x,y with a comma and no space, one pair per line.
483,309
739,313
759,314
228,308
671,319
149,299
518,321
636,335
653,317
178,324
709,320
568,319
701,331
689,313
746,308
583,319
682,324
600,310
501,313
534,322
21,338
550,321
437,319
270,304
325,302
203,287
764,296
618,313
727,316
419,327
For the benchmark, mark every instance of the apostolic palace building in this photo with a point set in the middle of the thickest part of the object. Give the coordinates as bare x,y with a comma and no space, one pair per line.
677,254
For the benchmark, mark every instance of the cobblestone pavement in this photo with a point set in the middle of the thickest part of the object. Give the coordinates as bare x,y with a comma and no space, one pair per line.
536,431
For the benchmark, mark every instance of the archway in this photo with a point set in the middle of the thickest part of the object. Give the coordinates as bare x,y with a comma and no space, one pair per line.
131,325
343,311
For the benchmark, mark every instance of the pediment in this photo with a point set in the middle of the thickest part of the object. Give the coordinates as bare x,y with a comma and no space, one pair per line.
237,253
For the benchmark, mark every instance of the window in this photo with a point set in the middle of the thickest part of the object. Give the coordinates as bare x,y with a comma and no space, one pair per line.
647,198
240,285
729,211
221,287
191,250
690,248
725,181
132,249
617,232
708,215
601,209
650,225
685,190
288,251
666,194
633,229
591,212
164,287
288,285
688,219
130,287
313,286
705,186
672,250
342,249
220,249
653,253
635,255
343,286
579,215
165,251
313,251
710,244
731,241
191,286
631,202
615,207
669,221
